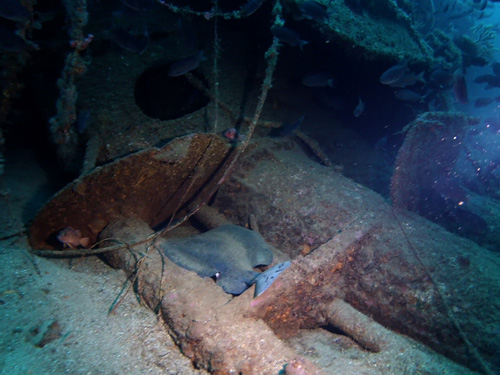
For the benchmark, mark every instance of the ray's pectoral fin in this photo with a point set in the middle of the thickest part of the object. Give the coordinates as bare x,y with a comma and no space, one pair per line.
229,253
236,284
263,280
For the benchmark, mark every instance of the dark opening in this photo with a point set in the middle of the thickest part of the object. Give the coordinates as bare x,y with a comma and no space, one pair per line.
166,98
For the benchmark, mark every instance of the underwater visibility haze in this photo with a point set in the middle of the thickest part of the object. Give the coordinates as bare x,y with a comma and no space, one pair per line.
250,186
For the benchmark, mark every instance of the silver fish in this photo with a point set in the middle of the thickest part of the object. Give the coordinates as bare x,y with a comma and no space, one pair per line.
317,80
251,7
130,41
139,5
360,108
10,41
181,67
483,102
496,68
408,95
408,79
288,36
13,10
393,74
314,10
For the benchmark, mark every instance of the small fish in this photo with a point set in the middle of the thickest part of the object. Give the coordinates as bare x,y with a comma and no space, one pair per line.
317,80
13,10
354,5
479,4
449,190
139,5
187,32
83,120
330,99
408,96
461,15
314,10
460,88
393,74
441,78
487,78
130,41
382,144
490,79
288,129
233,135
408,79
251,7
360,108
438,50
72,238
484,15
181,67
10,41
288,36
496,68
483,102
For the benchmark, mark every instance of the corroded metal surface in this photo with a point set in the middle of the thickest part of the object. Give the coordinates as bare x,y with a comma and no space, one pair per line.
407,273
151,185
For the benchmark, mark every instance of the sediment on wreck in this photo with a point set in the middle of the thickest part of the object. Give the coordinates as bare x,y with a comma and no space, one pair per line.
225,335
410,275
429,178
208,325
325,287
359,254
383,31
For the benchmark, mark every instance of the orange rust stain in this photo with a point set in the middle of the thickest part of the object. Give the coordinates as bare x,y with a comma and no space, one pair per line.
337,267
269,308
384,259
306,249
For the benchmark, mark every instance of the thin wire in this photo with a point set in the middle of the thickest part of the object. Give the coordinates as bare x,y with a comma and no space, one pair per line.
216,67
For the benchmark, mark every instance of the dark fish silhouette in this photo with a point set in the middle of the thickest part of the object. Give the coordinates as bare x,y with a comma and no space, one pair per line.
288,36
289,129
251,7
10,41
83,121
314,10
408,95
487,78
130,41
360,108
441,78
393,74
460,89
354,5
483,102
408,79
181,67
139,5
13,10
317,80
496,68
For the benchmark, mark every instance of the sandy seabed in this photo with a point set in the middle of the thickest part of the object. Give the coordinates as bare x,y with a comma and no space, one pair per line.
54,312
